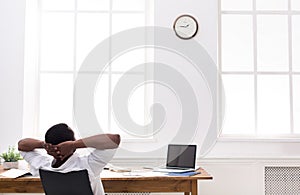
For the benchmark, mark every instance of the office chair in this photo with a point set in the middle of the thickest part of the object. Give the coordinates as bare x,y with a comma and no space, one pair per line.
71,183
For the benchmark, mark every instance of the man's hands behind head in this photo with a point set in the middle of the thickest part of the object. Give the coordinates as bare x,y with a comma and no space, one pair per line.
60,151
100,142
52,150
66,149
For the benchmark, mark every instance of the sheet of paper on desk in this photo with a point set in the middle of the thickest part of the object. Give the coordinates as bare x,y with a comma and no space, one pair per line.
153,174
14,173
109,174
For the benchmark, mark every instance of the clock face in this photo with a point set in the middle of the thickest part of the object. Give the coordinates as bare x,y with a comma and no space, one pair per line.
185,27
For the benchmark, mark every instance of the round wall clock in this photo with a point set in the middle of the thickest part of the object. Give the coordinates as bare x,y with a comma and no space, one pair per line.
185,26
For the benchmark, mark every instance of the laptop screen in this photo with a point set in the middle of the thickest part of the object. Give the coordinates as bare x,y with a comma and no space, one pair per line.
181,156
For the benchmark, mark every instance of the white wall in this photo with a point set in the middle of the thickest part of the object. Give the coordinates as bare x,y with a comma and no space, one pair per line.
166,12
206,13
233,178
11,70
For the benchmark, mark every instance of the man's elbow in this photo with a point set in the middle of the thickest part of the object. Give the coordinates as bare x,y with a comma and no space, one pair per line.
21,145
116,138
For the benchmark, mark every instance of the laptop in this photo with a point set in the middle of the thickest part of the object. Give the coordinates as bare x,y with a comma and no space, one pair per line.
180,159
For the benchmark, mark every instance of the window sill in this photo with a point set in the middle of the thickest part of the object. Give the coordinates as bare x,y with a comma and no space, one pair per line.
252,148
269,139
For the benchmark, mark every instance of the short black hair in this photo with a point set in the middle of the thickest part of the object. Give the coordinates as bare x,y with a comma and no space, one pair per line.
59,133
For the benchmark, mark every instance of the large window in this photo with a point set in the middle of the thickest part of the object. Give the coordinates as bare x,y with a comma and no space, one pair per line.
259,61
60,34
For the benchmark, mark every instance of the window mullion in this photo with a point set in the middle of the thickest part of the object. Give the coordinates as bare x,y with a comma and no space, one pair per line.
109,69
255,63
74,57
290,41
38,93
220,97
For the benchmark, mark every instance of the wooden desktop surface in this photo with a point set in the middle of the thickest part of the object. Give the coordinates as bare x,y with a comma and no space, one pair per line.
116,182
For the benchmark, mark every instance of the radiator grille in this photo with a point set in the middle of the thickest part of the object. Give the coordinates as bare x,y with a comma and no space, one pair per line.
282,180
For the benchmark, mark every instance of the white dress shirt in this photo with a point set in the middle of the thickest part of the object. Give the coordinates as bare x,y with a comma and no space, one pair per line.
94,162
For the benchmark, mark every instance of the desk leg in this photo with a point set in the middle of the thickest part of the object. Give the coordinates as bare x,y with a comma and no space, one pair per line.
194,187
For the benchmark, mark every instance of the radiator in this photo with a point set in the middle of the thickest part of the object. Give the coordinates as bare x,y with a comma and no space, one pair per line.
282,180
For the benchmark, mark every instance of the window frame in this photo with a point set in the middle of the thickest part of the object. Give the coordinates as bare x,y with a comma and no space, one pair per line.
33,71
254,13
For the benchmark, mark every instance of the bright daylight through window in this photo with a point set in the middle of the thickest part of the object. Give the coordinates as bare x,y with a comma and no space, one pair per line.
259,59
66,32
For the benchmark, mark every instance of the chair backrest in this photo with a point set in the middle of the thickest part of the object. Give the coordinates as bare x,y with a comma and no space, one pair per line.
71,183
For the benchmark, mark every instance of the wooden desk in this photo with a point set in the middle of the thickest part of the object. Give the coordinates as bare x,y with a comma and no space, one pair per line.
116,184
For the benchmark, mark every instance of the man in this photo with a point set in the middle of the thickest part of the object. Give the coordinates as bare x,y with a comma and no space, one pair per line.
60,145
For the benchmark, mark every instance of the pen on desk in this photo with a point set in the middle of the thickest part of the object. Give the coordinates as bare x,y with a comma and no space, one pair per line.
146,167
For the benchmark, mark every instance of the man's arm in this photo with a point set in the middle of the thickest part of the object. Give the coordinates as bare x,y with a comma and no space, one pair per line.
29,144
100,142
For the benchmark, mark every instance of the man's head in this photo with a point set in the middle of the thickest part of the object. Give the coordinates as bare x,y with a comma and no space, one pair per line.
59,133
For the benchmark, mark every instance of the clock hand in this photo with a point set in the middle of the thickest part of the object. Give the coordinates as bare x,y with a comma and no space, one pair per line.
184,26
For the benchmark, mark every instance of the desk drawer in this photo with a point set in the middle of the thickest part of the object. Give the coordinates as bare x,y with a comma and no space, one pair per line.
147,186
